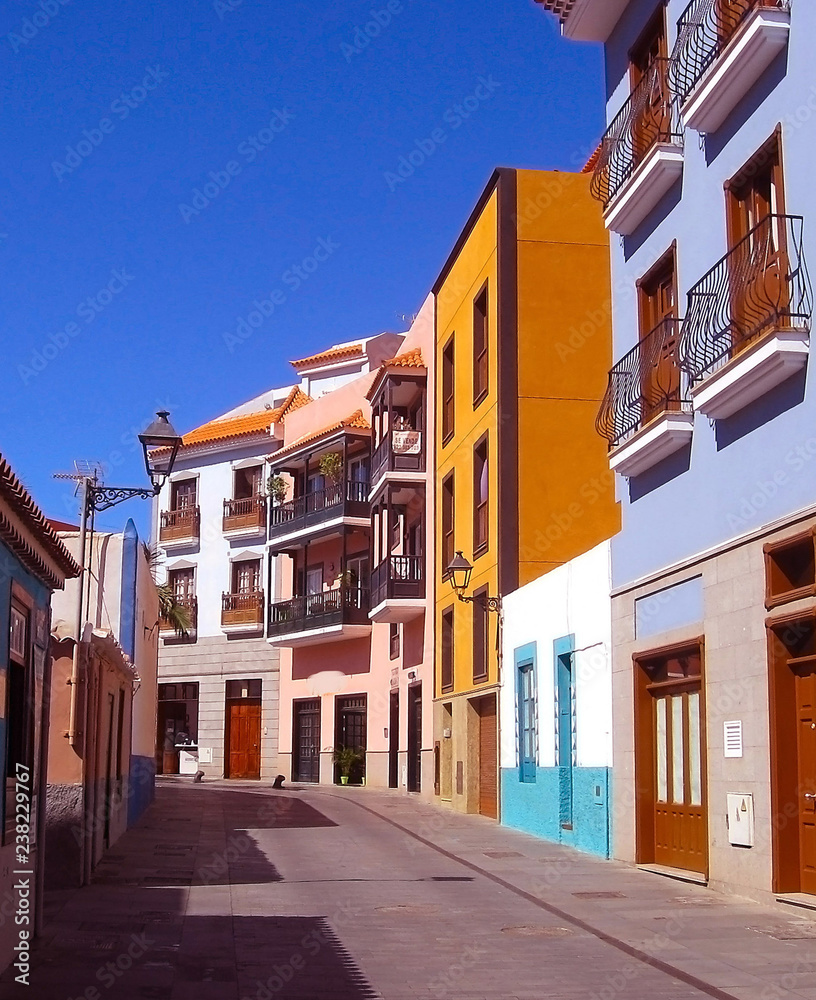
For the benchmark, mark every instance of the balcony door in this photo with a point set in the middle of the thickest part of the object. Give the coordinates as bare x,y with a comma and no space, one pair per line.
246,576
758,262
728,16
182,584
659,373
248,483
306,749
648,64
183,495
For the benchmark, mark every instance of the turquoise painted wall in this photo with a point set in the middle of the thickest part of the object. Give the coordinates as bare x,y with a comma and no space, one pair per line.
534,807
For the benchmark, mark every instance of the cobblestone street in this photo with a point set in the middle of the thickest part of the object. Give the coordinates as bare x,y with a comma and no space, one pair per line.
233,890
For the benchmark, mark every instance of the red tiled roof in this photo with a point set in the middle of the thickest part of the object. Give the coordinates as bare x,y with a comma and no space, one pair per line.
410,359
333,354
21,503
226,428
589,166
561,8
355,422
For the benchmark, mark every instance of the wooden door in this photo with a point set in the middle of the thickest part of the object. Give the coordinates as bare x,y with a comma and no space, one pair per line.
805,684
728,15
244,739
415,738
758,264
680,822
659,372
351,730
393,741
488,757
651,111
306,743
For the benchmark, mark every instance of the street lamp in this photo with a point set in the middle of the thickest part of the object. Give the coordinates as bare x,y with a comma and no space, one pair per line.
460,571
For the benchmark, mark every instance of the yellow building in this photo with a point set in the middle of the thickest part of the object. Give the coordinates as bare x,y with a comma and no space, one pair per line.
523,347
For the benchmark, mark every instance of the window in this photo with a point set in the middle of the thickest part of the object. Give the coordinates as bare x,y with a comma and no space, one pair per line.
447,650
481,618
649,48
183,494
182,583
246,576
480,497
527,721
394,641
756,192
480,335
448,504
238,690
314,579
248,483
790,569
648,66
447,392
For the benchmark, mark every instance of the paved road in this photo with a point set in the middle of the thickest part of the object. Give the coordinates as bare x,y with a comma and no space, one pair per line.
237,892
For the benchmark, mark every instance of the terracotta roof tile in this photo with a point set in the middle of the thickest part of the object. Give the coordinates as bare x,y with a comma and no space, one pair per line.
355,422
410,359
226,428
589,166
333,354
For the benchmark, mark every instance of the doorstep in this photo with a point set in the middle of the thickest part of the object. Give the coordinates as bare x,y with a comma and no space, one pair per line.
801,899
679,874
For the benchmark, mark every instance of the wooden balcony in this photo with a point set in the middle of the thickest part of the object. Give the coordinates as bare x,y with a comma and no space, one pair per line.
398,589
748,320
339,613
190,604
179,527
722,49
245,517
399,451
313,511
641,154
242,612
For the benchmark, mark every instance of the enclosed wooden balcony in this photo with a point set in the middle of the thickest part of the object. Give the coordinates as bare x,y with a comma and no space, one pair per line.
646,411
641,154
314,511
167,629
179,527
246,516
722,49
242,612
747,326
326,616
398,588
400,450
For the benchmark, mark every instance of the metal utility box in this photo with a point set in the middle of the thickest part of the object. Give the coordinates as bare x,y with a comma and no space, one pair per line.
740,819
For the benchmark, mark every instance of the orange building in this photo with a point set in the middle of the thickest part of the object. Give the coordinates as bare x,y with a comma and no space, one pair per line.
523,346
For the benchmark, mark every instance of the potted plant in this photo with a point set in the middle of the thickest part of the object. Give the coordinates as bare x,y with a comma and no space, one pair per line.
331,467
277,487
346,758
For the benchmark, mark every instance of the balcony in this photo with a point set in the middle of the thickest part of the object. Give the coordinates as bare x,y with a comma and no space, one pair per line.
646,412
722,49
747,328
179,528
398,589
168,631
337,504
641,154
328,616
399,451
245,518
242,612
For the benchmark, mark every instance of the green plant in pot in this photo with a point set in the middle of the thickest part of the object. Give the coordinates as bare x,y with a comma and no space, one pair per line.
331,467
346,758
277,487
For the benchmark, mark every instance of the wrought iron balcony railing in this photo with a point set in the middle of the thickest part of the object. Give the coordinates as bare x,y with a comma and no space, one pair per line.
399,451
398,577
704,30
179,525
249,512
645,383
344,605
346,499
648,118
761,285
243,609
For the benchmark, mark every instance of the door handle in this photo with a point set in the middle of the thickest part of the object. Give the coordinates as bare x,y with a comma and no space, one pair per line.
811,796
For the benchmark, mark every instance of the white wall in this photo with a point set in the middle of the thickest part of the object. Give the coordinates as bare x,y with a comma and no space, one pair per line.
571,600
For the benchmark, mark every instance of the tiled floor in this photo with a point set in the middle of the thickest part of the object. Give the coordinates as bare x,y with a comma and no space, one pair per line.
233,890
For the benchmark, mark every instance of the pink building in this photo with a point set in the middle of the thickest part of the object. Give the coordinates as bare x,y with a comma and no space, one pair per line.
353,532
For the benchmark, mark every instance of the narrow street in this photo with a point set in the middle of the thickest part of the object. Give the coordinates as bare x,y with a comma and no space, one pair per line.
237,891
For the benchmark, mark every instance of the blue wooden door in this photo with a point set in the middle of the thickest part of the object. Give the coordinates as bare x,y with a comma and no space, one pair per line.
566,713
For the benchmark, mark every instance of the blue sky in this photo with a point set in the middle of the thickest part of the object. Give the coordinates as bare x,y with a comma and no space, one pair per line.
124,287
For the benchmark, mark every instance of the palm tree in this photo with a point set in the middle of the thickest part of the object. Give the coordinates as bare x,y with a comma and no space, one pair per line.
171,611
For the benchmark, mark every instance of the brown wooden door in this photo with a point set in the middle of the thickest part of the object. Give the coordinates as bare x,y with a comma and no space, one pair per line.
758,262
488,758
306,750
728,16
659,373
648,66
244,739
805,682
